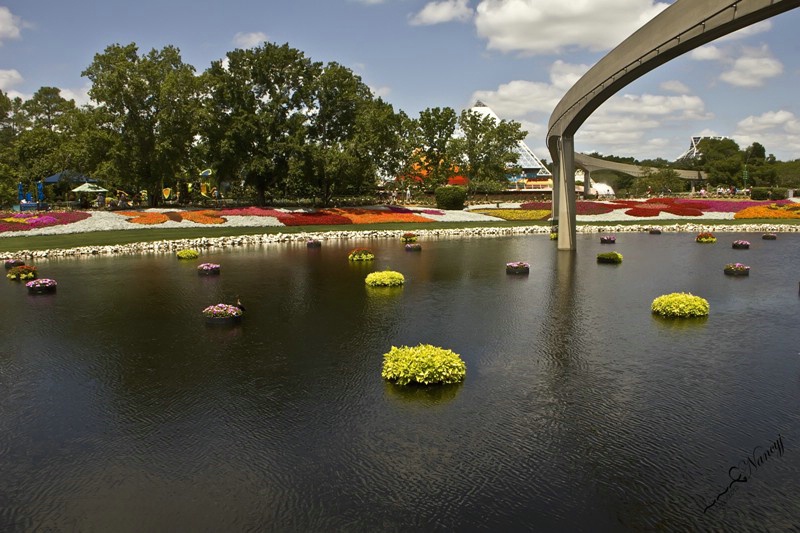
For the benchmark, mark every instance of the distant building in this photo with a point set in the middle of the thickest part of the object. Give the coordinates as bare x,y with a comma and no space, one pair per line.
693,152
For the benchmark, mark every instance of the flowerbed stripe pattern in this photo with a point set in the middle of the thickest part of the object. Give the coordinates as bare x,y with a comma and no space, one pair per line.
532,211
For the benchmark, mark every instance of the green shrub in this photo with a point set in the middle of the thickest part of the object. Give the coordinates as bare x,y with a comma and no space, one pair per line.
680,305
188,254
768,193
386,278
361,254
451,197
609,257
423,364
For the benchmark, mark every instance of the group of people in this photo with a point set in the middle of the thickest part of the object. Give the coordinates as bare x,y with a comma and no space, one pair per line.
392,196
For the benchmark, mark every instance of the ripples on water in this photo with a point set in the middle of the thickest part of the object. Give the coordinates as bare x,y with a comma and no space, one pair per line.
121,411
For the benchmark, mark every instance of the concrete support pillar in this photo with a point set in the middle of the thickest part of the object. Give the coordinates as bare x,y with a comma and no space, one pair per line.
566,193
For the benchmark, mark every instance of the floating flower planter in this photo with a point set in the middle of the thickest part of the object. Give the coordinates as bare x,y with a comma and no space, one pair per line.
554,236
769,236
608,239
361,254
413,247
518,267
610,257
208,269
22,272
737,269
408,237
11,263
680,305
706,238
188,254
222,314
41,286
423,364
386,278
654,231
313,243
741,245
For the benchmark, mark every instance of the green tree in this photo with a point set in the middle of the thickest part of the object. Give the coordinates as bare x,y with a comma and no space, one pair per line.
47,107
150,103
432,135
256,111
485,150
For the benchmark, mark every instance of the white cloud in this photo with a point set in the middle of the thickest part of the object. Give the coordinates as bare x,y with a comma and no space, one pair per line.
442,11
752,69
707,53
249,40
81,95
772,129
518,98
684,107
9,78
675,86
565,75
382,92
10,25
550,26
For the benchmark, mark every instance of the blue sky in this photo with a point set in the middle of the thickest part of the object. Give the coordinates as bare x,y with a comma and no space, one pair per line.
518,56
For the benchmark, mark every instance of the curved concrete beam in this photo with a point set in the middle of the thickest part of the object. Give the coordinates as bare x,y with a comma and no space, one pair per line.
683,26
590,164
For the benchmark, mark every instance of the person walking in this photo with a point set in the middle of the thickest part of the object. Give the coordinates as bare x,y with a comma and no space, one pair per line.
408,194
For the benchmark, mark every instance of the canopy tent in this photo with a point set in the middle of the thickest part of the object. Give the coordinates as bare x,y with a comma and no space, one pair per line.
89,187
67,175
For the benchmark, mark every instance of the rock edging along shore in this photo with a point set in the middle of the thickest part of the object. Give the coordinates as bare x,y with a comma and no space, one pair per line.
172,246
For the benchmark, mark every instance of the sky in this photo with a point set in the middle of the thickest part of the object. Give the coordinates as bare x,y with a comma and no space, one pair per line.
517,56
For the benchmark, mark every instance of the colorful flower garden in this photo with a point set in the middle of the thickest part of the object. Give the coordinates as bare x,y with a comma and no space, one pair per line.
615,210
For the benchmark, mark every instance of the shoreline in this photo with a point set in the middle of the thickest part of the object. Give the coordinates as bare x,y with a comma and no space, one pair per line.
210,243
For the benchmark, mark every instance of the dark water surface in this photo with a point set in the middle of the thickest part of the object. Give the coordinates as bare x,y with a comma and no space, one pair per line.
120,410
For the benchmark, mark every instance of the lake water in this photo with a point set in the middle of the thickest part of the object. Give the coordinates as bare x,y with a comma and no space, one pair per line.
120,410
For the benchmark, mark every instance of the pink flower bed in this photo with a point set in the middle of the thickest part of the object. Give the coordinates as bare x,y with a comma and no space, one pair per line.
29,221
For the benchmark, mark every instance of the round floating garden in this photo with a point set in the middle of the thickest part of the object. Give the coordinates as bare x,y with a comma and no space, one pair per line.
654,231
313,243
208,269
680,305
741,245
769,236
22,272
736,269
423,364
608,239
554,236
610,257
706,238
386,278
11,263
361,254
408,237
41,286
518,267
413,247
188,253
222,314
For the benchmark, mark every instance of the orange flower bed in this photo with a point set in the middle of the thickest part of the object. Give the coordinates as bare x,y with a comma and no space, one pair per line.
769,211
203,217
373,216
148,219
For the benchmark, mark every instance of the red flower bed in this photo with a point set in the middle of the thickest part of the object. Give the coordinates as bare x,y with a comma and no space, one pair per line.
653,206
313,218
26,222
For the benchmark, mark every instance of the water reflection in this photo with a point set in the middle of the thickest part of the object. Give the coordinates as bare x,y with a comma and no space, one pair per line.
580,410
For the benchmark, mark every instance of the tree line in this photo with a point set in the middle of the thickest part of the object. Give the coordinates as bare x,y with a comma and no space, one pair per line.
268,119
724,162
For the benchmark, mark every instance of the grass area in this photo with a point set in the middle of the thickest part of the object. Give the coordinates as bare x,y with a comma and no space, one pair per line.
103,238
